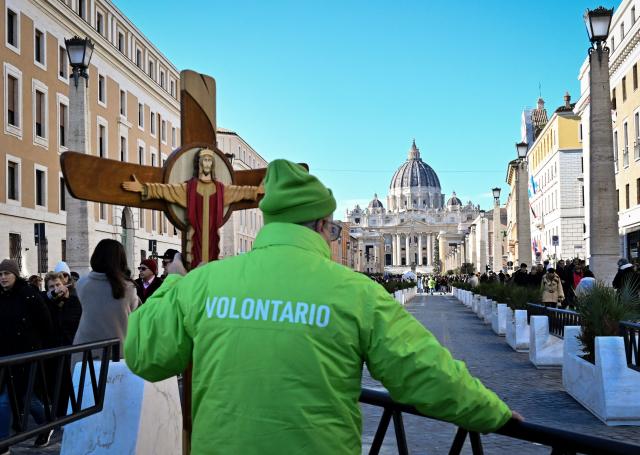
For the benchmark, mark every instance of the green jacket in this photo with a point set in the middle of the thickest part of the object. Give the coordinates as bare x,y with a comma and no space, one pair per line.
278,338
432,283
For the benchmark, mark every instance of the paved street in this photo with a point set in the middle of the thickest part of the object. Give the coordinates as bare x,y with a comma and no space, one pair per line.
537,394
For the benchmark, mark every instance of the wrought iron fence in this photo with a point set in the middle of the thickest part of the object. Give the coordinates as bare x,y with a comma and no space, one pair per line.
560,441
558,318
630,333
46,376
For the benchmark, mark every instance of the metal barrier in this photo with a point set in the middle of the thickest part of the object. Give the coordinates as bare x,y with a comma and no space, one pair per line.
49,372
560,441
630,333
558,318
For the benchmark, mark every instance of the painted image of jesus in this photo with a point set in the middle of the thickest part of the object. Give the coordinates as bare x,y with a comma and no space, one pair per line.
204,199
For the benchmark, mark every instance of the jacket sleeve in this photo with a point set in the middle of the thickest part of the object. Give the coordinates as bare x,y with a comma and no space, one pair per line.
417,370
157,345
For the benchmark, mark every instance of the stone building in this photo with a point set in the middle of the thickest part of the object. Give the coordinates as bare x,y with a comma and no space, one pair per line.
133,115
419,226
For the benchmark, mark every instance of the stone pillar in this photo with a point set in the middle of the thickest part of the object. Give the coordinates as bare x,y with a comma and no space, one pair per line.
497,238
523,214
407,240
604,243
483,235
79,219
419,249
442,246
398,250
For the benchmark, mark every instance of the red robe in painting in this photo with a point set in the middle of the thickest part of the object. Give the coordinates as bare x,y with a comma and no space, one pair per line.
195,212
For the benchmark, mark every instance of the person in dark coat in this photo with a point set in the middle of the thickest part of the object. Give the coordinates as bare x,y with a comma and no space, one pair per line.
626,275
149,280
520,276
64,307
25,326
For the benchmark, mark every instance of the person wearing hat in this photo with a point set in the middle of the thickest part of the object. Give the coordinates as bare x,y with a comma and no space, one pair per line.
148,281
278,338
25,326
167,258
626,276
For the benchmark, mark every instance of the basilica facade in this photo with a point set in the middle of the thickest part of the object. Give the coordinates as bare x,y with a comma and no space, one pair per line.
418,227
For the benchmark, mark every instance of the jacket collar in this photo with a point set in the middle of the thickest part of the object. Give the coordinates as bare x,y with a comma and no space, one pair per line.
292,235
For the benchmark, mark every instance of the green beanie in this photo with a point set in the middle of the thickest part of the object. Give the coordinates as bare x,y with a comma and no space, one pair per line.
292,195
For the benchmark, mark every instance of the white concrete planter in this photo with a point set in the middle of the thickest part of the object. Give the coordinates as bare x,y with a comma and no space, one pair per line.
403,296
517,333
486,311
609,389
499,318
545,350
475,302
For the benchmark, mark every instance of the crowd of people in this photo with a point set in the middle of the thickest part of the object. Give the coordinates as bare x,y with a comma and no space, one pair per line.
63,309
562,284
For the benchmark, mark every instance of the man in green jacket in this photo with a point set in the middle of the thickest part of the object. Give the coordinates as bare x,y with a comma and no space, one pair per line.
279,336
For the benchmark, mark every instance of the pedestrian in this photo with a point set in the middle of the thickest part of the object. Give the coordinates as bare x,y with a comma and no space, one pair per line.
106,294
432,284
520,276
278,337
626,276
65,309
147,282
552,294
36,282
587,283
167,257
25,326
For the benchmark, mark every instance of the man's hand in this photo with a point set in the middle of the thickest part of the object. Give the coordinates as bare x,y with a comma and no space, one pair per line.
134,185
516,416
176,266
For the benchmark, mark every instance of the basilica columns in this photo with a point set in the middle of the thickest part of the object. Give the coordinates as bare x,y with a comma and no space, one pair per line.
407,242
419,249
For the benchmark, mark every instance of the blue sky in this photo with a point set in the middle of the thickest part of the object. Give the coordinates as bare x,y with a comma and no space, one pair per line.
346,85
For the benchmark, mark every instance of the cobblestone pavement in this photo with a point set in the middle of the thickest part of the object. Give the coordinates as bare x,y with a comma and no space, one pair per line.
537,394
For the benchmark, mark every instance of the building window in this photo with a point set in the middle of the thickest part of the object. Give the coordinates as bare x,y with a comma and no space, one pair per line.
63,249
615,151
635,76
13,101
62,193
123,103
163,130
162,79
172,88
13,29
100,23
63,68
625,151
613,43
152,125
633,15
40,114
140,154
121,42
101,89
13,180
102,138
151,69
123,148
621,30
141,219
139,58
63,118
624,89
173,136
82,9
626,196
41,188
154,220
153,159
103,211
613,100
15,249
39,47
141,115
636,141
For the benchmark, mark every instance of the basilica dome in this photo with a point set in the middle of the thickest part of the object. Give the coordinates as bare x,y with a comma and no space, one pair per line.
375,203
454,201
415,173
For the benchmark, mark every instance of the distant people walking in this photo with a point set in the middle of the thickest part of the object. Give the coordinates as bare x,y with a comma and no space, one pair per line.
520,276
432,285
552,293
148,281
106,294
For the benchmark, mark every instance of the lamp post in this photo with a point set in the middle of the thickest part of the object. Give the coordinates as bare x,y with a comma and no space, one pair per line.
483,240
523,216
603,238
497,239
79,220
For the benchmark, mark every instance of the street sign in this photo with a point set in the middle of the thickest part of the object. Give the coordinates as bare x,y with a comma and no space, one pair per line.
555,240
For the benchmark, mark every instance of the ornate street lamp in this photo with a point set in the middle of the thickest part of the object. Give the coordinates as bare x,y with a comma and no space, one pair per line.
522,148
496,194
598,22
79,51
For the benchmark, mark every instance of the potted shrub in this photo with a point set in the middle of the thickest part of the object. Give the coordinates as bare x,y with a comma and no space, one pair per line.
595,370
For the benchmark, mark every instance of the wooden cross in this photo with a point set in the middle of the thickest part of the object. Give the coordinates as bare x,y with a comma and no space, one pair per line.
100,180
